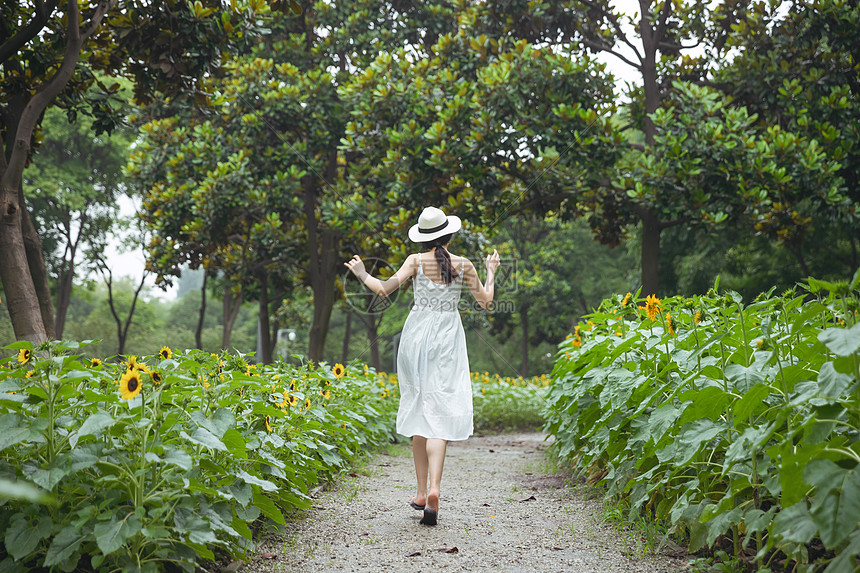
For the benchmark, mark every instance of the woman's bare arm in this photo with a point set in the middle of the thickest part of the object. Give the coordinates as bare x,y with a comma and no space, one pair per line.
483,293
382,288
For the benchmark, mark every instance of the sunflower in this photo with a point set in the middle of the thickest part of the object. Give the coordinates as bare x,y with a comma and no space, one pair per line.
268,426
652,306
130,384
698,318
29,373
670,323
293,400
24,355
95,362
132,363
165,353
626,299
307,403
339,370
156,377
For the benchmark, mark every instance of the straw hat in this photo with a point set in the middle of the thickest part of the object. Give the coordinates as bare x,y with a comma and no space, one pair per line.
432,224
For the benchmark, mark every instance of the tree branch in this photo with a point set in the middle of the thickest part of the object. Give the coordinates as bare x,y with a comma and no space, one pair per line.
661,21
46,94
14,44
613,21
604,48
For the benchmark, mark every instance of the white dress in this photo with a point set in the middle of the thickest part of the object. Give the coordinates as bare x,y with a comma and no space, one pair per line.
432,364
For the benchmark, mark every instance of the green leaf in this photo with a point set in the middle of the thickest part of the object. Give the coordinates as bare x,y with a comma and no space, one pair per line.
263,484
65,543
92,426
235,443
22,537
178,457
845,561
795,524
110,535
841,341
220,421
268,507
204,437
23,491
13,429
751,401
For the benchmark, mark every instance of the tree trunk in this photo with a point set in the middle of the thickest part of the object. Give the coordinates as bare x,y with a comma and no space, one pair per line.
373,337
64,297
345,354
324,298
524,322
198,334
22,274
38,271
322,268
263,317
21,298
650,256
231,306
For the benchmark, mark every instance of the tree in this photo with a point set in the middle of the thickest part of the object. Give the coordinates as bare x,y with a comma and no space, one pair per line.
50,50
74,184
557,273
797,70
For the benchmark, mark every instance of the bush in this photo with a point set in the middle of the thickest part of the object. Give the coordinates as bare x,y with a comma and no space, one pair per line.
736,425
508,404
167,458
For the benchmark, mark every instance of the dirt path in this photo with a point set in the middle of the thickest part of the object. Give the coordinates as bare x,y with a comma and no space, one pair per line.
499,510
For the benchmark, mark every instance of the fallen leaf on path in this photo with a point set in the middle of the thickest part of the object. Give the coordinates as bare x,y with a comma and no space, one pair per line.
448,550
414,554
486,505
492,451
353,475
557,548
269,556
529,498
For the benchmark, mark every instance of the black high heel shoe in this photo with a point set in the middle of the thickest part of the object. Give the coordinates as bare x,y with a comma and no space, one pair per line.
429,517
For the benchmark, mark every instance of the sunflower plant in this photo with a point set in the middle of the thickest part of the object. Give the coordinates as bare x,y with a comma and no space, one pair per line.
735,425
137,462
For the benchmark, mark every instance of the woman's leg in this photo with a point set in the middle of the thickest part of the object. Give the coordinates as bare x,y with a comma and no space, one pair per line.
435,449
419,454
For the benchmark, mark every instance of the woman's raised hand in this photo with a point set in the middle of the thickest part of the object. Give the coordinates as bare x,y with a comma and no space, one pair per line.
356,265
493,261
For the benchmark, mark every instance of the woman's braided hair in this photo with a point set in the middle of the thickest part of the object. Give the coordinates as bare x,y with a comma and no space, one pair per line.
442,257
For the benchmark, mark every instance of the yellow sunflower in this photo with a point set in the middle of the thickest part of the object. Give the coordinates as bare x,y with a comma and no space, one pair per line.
165,353
24,355
268,426
156,377
132,363
293,400
130,384
652,306
698,318
670,324
95,362
626,299
307,403
339,370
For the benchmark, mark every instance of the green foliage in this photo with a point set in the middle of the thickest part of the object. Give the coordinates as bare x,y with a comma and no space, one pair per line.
735,424
180,461
508,404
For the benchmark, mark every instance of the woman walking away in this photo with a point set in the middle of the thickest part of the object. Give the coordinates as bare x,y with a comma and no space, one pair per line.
432,364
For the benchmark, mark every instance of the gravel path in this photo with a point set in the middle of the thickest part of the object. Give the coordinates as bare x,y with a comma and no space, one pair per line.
499,510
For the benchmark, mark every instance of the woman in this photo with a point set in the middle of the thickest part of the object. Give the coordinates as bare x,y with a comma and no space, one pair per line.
432,363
